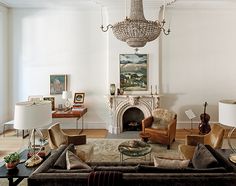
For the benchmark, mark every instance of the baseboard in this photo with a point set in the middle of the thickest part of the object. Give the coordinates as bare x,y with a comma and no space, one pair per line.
86,125
187,124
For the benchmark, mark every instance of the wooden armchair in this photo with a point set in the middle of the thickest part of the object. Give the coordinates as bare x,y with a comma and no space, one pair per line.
214,138
161,126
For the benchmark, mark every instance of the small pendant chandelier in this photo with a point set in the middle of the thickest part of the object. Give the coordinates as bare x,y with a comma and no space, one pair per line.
136,31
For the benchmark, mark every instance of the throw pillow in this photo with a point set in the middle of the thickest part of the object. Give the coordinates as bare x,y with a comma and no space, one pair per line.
74,162
169,163
202,158
61,161
159,123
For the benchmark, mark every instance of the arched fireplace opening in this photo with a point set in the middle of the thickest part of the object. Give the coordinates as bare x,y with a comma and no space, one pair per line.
132,119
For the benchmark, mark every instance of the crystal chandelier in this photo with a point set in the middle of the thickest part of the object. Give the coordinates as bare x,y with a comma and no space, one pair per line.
136,31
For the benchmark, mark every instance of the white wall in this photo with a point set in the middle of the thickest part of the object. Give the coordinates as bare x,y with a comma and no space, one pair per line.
56,41
199,61
3,64
194,64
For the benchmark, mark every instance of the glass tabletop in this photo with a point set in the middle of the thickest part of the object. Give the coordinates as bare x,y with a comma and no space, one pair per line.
134,148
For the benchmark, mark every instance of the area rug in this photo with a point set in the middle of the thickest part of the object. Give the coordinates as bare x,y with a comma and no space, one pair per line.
107,150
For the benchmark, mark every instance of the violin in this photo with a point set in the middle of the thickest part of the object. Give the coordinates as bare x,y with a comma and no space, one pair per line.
204,126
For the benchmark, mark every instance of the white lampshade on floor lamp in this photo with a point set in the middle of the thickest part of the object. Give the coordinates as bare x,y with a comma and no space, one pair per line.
32,115
227,116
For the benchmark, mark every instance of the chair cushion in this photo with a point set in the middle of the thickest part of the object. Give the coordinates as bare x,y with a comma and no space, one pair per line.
74,162
202,158
170,163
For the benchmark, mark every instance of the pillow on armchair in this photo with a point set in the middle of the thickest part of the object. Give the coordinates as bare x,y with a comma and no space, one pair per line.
159,123
161,118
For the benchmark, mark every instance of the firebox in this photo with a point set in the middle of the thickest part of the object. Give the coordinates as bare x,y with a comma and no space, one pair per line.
132,119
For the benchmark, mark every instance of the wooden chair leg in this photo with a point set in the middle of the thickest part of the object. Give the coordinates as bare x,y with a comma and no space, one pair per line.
168,147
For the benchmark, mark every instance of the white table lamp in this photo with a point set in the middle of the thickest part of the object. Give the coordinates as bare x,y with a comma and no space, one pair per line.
31,115
66,95
227,116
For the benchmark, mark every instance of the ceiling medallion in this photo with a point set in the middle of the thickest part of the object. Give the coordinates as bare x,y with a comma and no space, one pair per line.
136,31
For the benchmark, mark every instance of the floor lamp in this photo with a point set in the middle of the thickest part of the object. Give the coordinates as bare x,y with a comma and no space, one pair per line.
32,115
227,116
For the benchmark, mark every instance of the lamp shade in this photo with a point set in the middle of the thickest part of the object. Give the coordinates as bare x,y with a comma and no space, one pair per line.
31,115
66,94
227,112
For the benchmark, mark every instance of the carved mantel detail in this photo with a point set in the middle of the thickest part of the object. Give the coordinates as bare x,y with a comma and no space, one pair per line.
120,103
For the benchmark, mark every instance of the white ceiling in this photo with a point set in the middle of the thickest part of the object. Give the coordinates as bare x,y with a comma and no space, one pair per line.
83,4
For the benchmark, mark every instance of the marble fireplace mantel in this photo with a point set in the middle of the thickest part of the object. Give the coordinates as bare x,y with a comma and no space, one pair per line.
120,103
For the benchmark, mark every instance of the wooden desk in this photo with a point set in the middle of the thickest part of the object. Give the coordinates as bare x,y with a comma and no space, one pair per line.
72,114
24,135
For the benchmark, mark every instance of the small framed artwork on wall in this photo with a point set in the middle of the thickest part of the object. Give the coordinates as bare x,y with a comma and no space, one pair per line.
133,72
52,99
79,98
58,84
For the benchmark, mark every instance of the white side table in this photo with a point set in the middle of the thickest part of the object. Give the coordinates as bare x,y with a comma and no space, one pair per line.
17,133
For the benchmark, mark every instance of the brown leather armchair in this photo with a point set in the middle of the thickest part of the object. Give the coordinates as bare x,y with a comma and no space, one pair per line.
161,126
57,137
214,138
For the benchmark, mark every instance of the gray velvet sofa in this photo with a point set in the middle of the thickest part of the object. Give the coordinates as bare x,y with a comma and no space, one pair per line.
132,173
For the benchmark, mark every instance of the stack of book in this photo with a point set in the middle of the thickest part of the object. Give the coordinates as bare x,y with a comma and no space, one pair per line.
77,106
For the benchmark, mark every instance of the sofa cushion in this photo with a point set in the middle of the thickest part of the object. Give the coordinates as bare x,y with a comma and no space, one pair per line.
84,152
61,161
74,162
170,163
202,158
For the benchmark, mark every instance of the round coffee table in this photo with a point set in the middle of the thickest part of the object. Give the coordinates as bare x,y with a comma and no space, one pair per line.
134,149
144,136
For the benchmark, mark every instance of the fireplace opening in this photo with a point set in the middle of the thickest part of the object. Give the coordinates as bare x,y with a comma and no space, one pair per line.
132,119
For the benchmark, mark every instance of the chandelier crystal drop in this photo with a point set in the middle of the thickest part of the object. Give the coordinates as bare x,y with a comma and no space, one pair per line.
136,31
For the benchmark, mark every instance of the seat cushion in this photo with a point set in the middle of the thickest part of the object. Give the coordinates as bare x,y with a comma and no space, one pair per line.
85,152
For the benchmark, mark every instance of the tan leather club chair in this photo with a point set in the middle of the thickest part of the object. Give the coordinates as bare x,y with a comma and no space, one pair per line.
57,137
161,126
214,138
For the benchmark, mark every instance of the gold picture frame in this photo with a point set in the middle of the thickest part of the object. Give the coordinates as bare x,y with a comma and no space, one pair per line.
58,83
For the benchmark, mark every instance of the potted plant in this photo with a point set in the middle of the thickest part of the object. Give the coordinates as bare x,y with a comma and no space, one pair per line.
12,160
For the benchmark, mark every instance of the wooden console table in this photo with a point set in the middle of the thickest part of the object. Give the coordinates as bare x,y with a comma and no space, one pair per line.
72,114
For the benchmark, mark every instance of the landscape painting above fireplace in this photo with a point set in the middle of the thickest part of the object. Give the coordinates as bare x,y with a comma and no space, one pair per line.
133,72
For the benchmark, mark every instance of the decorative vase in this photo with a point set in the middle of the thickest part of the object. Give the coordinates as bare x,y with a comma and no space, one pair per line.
112,89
